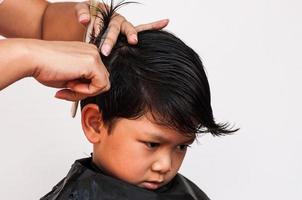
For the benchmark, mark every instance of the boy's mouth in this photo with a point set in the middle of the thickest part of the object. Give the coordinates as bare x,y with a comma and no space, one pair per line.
151,185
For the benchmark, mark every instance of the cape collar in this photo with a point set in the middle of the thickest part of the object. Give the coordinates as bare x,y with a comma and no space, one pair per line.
86,181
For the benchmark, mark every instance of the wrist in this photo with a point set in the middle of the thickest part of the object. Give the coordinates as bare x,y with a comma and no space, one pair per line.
14,61
25,56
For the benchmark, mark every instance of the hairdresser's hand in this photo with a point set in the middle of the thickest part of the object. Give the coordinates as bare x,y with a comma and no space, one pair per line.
117,25
74,66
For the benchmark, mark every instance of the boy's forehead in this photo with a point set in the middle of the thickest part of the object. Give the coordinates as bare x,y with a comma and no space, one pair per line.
148,127
158,122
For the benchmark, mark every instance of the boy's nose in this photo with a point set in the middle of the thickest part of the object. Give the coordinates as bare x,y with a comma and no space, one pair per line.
163,164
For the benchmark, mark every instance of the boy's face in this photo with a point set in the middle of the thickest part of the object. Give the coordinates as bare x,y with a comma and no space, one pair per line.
141,152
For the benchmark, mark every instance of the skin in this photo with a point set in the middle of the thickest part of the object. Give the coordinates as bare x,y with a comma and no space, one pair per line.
54,64
40,19
75,67
138,151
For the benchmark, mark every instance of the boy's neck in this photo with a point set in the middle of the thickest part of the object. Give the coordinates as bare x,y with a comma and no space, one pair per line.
97,166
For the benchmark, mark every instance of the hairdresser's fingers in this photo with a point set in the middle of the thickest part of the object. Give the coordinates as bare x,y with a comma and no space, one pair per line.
113,31
76,89
90,86
129,30
152,26
69,95
83,13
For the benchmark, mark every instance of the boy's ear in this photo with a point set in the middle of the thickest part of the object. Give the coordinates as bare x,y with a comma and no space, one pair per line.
92,123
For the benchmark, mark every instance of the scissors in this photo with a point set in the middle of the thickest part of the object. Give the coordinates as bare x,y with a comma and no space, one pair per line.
86,38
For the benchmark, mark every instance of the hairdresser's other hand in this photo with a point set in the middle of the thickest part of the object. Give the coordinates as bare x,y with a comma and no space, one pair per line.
74,66
117,25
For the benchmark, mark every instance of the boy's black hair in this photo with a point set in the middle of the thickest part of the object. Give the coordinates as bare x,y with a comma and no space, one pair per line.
160,75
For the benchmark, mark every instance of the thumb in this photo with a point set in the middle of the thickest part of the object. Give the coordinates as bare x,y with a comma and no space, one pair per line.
69,95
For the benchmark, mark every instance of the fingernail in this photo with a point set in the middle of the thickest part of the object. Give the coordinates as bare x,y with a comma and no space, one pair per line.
106,49
1,1
133,37
84,18
58,96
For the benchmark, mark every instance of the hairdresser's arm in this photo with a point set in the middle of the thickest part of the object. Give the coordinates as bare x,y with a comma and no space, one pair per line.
75,66
22,18
60,21
68,27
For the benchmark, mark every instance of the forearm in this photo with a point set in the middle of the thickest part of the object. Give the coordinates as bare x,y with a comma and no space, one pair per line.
14,62
22,18
60,22
40,19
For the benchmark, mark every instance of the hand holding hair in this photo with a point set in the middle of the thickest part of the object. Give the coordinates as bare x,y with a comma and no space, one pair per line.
117,25
74,66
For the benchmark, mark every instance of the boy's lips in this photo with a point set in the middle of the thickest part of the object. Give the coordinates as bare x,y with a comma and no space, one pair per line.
151,185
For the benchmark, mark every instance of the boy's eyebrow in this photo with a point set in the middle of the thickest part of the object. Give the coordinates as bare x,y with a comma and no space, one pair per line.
157,136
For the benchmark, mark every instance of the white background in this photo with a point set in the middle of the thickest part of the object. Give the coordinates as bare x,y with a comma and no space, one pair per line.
252,54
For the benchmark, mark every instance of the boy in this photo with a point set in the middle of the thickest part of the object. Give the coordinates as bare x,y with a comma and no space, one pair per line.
140,129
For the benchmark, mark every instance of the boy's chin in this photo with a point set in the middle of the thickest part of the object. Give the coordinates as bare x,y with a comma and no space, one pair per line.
151,185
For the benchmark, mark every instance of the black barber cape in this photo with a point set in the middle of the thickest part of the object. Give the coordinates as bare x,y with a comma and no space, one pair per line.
85,181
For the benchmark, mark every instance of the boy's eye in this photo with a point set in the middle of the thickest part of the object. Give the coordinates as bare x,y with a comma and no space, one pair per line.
152,145
183,147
